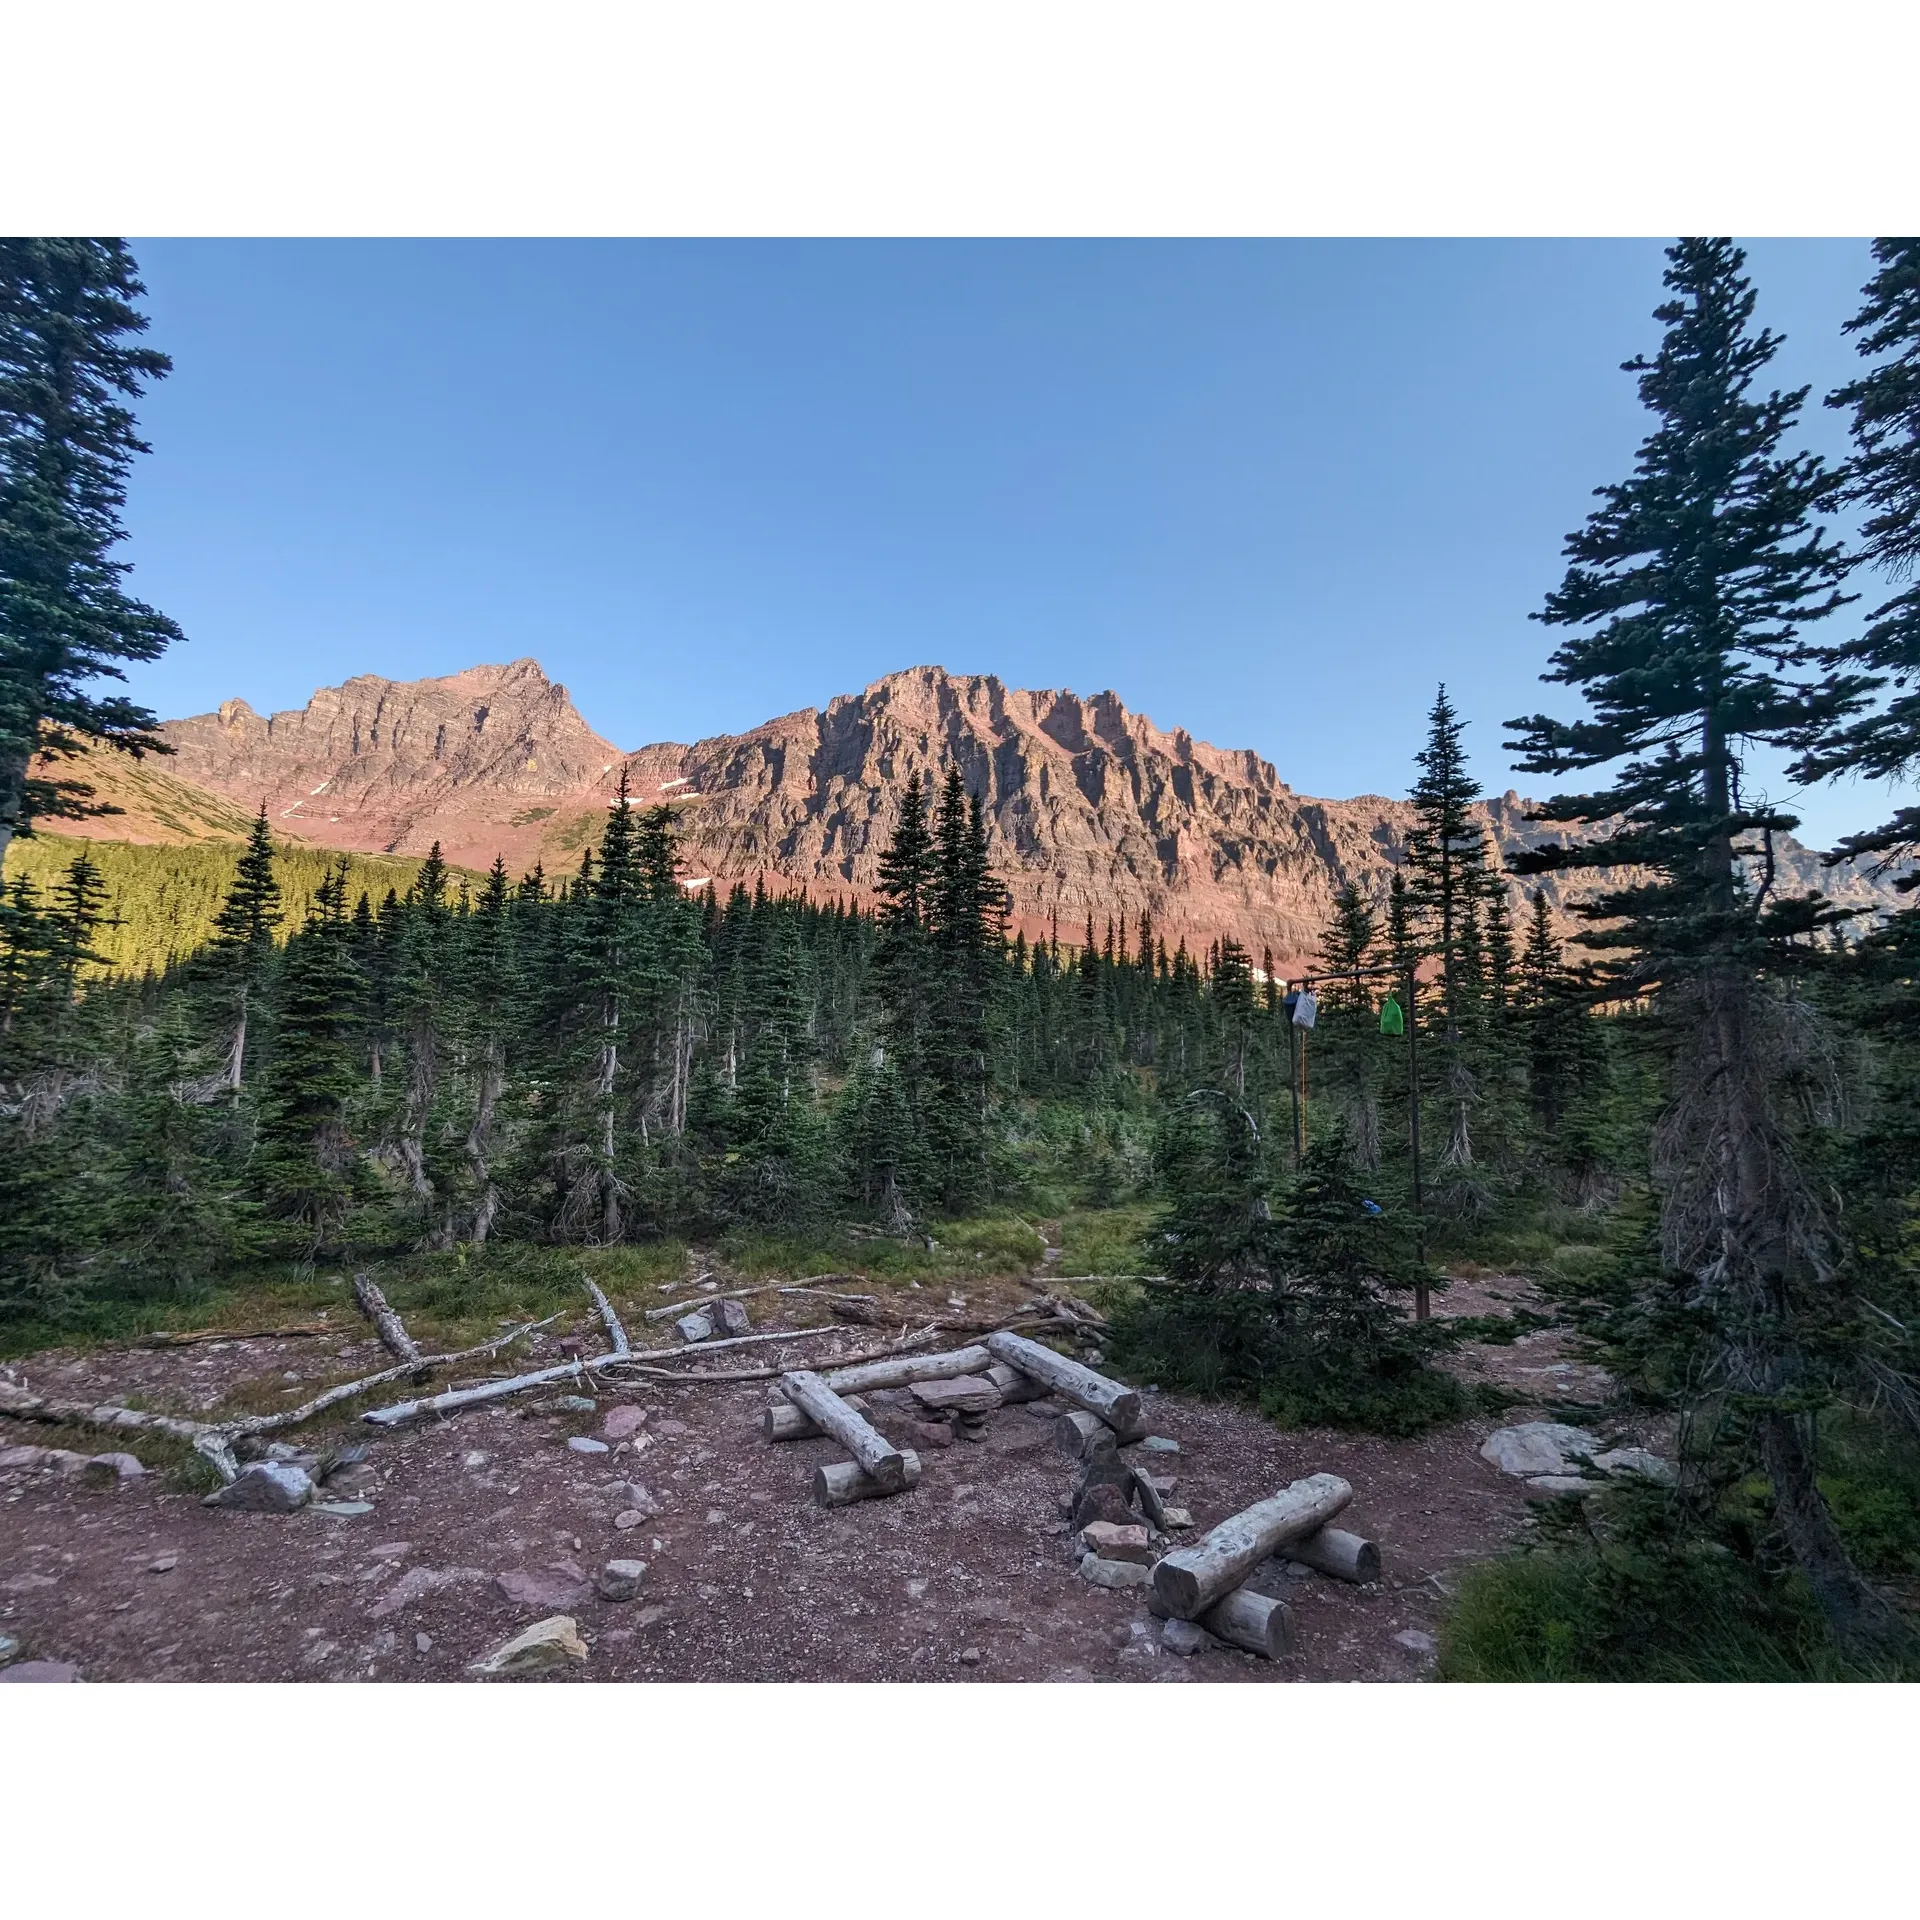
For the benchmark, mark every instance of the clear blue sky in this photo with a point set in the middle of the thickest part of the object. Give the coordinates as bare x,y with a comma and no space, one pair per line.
1271,492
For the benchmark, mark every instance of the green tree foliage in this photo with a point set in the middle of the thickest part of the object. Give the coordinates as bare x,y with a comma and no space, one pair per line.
69,363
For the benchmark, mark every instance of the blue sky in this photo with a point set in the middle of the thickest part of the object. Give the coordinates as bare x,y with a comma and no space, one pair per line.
1269,491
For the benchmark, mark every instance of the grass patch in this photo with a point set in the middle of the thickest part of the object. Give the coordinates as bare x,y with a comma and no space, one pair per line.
984,1246
1105,1240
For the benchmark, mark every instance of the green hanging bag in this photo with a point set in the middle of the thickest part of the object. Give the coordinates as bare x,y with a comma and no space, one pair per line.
1392,1020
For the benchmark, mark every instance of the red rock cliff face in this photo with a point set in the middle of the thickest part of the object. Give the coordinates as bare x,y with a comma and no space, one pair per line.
1091,808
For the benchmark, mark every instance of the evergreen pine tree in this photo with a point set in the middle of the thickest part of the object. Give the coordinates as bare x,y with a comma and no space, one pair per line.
241,952
1687,593
68,365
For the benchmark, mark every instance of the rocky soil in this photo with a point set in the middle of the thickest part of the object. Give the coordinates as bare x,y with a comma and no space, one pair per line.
480,1525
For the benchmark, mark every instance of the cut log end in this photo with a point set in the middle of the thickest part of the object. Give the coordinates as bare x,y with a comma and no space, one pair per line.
841,1482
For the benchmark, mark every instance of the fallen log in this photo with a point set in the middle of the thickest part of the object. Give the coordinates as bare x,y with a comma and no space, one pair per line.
695,1301
1190,1579
785,1421
1081,1435
841,1482
1118,1406
616,1333
860,1378
1015,1388
883,1462
200,1336
1254,1621
1342,1556
205,1439
386,1323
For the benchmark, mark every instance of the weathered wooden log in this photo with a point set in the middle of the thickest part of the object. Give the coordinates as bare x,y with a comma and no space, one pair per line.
675,1308
1254,1621
877,1455
785,1421
622,1346
200,1336
1191,1579
1118,1406
208,1440
386,1323
1015,1388
1342,1556
1081,1435
875,1374
841,1482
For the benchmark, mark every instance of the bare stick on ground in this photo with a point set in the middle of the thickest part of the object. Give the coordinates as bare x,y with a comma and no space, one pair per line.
386,1323
882,1461
622,1346
1191,1579
1118,1406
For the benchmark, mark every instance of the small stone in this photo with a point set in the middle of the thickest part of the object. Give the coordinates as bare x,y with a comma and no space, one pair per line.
342,1509
546,1647
163,1563
627,1521
670,1429
575,1403
9,1646
111,1468
1103,1502
620,1579
1115,1542
63,1460
17,1458
729,1317
694,1327
268,1486
1414,1641
916,1589
956,1396
354,1454
281,1450
628,1496
932,1433
474,1459
1159,1443
559,1585
622,1423
1178,1517
28,1671
423,1643
580,1443
351,1482
1184,1638
1115,1574
970,1656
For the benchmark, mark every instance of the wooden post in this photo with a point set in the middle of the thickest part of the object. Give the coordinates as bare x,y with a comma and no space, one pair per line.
1190,1579
841,1482
1118,1406
882,1460
1254,1621
1341,1556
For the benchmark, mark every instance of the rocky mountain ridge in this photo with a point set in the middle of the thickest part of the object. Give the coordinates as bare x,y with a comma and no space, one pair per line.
1091,808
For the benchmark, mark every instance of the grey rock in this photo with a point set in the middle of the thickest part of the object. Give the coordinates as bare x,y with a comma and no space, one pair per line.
1178,1518
28,1671
545,1647
111,1468
9,1646
1115,1574
1537,1446
1414,1640
628,1496
1102,1502
282,1451
1562,1486
1637,1460
581,1444
63,1460
163,1563
342,1509
729,1317
20,1458
620,1579
694,1328
1159,1443
970,1656
474,1459
575,1403
1184,1638
561,1584
423,1643
350,1482
267,1486
341,1459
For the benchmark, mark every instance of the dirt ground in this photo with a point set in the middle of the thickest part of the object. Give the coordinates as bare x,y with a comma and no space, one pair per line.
971,1576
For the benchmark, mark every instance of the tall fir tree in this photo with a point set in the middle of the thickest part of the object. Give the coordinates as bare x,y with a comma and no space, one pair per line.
69,363
1686,596
241,953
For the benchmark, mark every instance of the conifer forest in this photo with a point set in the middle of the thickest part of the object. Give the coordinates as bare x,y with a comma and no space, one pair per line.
1675,1127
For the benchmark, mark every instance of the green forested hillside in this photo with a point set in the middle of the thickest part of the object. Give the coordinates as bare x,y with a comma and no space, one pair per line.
164,898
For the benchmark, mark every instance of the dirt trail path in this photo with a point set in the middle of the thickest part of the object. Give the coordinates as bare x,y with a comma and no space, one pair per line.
970,1576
